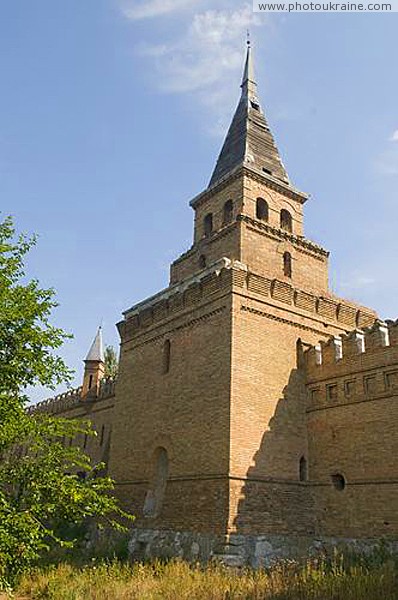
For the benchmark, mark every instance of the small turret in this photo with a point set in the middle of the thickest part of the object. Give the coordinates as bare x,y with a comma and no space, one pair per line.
94,367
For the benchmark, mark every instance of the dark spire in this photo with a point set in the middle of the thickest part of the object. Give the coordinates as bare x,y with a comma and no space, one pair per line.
249,140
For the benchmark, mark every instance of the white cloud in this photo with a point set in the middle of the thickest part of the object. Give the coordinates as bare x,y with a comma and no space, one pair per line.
207,60
146,9
394,137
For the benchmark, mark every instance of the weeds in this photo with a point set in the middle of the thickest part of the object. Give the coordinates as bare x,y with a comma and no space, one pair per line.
336,579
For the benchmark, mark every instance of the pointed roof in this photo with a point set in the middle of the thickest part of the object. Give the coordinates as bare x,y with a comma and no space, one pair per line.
249,140
96,352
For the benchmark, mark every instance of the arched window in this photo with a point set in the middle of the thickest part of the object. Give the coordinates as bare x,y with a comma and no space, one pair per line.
287,264
202,261
157,488
261,209
286,220
208,224
303,469
228,212
338,481
166,356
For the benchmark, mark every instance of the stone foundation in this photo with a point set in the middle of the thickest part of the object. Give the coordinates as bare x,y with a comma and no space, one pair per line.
240,550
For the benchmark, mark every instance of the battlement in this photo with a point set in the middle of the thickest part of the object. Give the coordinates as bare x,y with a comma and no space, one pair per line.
353,350
226,274
358,366
73,399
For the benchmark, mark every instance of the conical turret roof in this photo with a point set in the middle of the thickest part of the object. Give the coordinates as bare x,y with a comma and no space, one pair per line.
96,352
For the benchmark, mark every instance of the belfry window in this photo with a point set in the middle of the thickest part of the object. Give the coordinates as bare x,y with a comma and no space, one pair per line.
228,212
166,356
208,224
287,264
286,220
202,261
262,211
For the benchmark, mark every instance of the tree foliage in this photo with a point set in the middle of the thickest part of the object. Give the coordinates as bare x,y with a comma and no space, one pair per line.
111,362
40,486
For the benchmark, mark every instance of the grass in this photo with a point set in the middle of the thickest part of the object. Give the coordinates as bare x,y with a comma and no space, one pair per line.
177,580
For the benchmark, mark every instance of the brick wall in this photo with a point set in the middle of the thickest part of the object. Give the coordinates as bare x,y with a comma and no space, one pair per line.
353,432
185,411
98,410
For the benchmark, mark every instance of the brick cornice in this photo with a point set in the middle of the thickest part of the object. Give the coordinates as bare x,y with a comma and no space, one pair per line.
281,234
173,328
268,180
262,313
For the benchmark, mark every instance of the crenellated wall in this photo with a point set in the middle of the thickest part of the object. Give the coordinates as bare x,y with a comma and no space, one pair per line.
98,409
352,417
368,355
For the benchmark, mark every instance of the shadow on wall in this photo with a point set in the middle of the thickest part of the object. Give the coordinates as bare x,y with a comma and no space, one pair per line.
275,498
104,458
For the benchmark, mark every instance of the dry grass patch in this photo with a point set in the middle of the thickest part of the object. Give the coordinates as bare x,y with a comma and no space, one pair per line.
178,580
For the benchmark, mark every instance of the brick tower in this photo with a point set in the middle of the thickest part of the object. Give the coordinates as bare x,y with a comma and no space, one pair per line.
209,445
94,366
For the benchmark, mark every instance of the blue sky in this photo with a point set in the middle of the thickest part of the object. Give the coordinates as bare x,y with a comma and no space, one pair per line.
112,114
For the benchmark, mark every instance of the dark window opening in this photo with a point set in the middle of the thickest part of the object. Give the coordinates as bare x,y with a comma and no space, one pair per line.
90,382
338,481
262,211
303,469
255,105
286,220
202,261
166,356
267,171
228,212
349,388
208,224
102,435
332,392
287,264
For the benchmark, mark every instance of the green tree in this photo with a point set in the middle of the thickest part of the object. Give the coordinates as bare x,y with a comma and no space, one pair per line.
111,362
39,488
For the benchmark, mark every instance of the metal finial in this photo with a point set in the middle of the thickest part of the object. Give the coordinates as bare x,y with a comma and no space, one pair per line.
248,42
